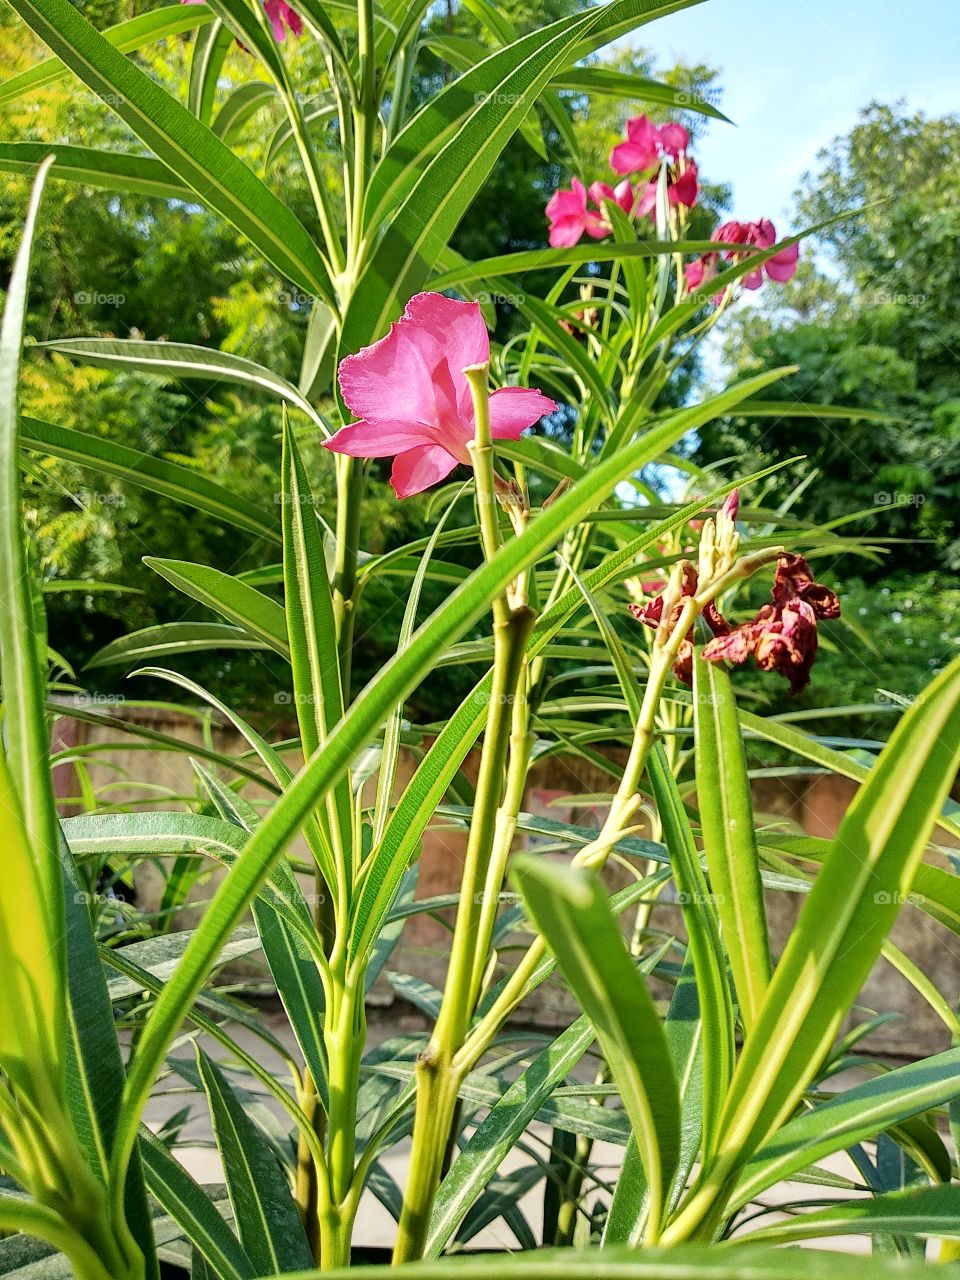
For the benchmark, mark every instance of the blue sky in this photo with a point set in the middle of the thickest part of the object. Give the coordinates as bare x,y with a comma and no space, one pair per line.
795,73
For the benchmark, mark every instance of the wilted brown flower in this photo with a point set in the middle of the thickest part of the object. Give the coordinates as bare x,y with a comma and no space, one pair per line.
783,636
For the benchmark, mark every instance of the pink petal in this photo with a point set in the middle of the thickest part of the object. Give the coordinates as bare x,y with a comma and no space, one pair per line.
457,326
648,201
674,138
600,191
627,157
376,439
624,195
731,233
783,265
566,204
392,380
684,190
274,11
566,232
753,279
642,132
513,409
693,273
419,468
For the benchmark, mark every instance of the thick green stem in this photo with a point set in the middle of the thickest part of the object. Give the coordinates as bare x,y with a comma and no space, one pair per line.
438,1084
498,796
462,986
345,1040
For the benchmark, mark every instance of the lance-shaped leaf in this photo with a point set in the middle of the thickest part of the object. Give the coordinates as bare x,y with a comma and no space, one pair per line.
194,153
931,1211
729,839
108,170
157,475
185,360
31,933
848,914
170,20
255,613
267,1219
851,1116
571,910
193,1210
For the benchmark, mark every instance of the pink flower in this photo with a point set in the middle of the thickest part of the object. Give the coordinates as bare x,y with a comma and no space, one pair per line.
783,636
781,267
646,143
413,400
281,17
682,188
570,215
621,195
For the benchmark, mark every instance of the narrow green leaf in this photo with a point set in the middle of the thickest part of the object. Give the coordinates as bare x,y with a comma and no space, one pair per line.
194,153
95,1074
704,943
191,1208
157,475
494,1138
931,1211
32,905
108,170
169,20
210,49
255,613
729,838
852,1116
847,916
267,1219
172,637
184,360
571,910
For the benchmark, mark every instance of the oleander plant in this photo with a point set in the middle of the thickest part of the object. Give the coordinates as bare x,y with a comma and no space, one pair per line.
596,605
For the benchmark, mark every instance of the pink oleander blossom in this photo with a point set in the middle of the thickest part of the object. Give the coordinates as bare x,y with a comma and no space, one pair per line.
783,636
762,234
682,188
281,17
646,143
413,399
570,215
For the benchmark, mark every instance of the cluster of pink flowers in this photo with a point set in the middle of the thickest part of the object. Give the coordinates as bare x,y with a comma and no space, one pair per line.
646,148
780,267
413,400
282,18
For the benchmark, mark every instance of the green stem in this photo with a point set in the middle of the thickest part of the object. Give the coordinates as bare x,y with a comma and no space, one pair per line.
307,1180
438,1084
345,1038
498,794
350,485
